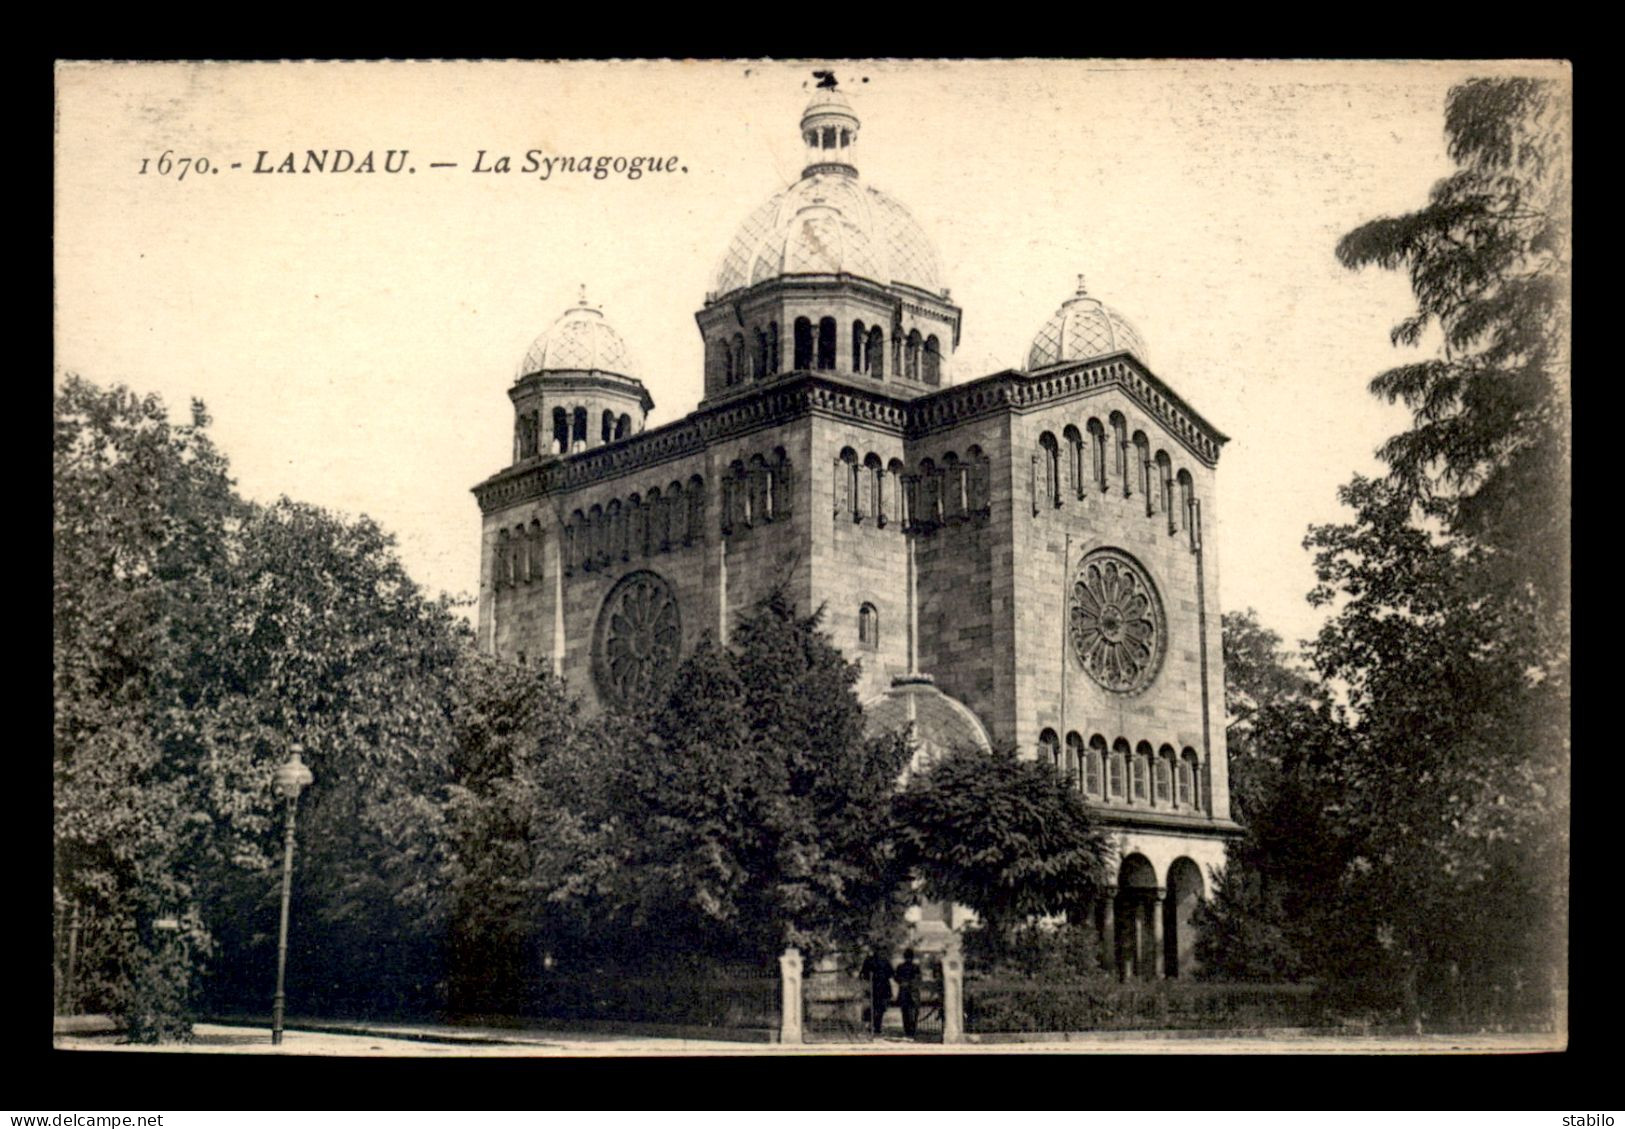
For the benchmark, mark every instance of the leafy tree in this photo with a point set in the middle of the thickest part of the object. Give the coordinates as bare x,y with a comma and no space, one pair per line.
1450,584
527,824
1007,837
141,510
196,638
1272,907
754,816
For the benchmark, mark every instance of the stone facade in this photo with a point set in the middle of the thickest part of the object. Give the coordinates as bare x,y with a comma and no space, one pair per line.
1021,559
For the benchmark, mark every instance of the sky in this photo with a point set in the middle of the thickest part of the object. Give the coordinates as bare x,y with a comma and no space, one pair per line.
354,335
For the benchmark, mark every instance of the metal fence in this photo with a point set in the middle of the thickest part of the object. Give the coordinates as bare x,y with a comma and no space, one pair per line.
998,1004
722,998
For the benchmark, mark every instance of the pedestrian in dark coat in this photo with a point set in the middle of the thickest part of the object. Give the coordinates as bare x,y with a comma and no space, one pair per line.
878,971
907,976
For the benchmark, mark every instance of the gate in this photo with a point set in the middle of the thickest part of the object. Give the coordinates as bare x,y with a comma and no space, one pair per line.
835,1004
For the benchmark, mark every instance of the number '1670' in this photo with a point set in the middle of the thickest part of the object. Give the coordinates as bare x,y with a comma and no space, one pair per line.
168,163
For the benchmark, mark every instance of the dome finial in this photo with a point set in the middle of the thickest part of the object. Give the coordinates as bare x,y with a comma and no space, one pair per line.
582,299
829,128
1081,291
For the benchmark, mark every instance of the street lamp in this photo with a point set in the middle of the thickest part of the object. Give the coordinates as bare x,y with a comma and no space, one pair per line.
291,779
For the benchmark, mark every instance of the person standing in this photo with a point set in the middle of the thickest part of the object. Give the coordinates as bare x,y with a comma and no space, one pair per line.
907,976
878,971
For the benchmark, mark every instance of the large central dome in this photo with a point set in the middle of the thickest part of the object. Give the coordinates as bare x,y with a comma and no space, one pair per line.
828,222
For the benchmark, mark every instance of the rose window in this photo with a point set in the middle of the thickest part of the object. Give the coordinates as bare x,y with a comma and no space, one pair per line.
639,639
1116,624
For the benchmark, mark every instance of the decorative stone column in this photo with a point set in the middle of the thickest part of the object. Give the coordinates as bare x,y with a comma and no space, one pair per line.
1108,932
953,992
790,996
1157,955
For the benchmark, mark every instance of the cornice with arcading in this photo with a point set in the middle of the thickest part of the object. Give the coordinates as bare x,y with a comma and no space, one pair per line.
1026,391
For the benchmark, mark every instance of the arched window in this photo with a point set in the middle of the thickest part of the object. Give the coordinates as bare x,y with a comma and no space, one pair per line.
930,512
534,571
616,520
1187,494
606,427
977,497
772,347
1049,749
741,359
847,473
826,343
572,542
874,481
1142,452
874,356
1094,777
803,344
504,569
954,504
1165,489
623,426
1142,773
659,526
891,494
911,355
780,494
760,354
1097,452
695,529
727,362
1120,442
637,527
1052,469
598,554
761,491
859,340
677,511
1075,760
1163,780
1193,768
931,365
868,627
561,431
1185,778
578,438
1117,772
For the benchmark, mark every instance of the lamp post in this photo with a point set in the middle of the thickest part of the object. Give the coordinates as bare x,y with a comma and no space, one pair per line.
291,779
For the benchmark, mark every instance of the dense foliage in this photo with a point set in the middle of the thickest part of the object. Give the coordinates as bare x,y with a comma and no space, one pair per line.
197,637
1436,885
754,814
1010,838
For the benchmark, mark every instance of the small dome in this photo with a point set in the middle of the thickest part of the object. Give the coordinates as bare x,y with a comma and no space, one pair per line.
579,340
830,223
1082,329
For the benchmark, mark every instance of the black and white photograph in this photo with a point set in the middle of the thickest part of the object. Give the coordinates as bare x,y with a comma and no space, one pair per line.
677,558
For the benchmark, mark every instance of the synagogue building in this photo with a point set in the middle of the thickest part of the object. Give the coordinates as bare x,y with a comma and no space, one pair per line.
1020,558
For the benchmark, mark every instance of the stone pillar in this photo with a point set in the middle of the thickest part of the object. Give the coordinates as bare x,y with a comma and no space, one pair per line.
790,996
1134,966
1157,955
953,992
1108,931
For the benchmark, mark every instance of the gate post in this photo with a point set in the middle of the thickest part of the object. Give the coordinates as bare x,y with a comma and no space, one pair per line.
790,996
953,992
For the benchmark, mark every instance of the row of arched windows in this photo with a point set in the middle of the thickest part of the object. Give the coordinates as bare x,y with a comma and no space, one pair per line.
1071,465
519,554
1159,778
640,526
756,491
816,347
921,499
569,430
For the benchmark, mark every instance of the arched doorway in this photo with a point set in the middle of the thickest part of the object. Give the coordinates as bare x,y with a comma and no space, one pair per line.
1185,891
1138,941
